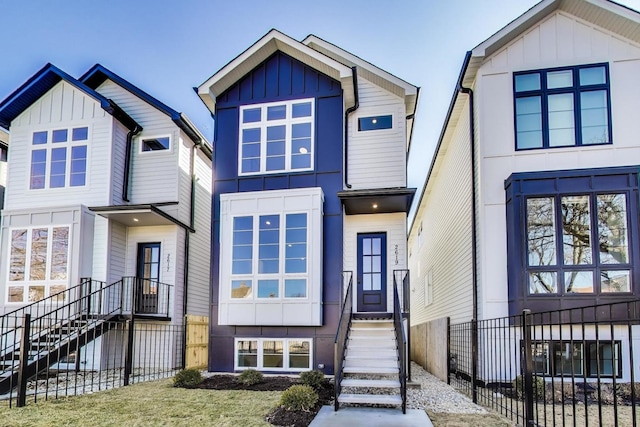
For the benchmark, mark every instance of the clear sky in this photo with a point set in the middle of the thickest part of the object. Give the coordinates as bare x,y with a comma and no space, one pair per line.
168,47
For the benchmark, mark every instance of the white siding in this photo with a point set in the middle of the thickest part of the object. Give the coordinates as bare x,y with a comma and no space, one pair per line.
394,225
119,149
117,252
200,241
100,249
63,106
377,158
445,215
559,40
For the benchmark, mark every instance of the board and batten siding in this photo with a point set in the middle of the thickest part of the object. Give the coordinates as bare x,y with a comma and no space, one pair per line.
154,174
377,158
63,106
558,40
395,226
200,241
445,215
118,157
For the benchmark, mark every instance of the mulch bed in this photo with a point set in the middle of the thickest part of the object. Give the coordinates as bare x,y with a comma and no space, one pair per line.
279,416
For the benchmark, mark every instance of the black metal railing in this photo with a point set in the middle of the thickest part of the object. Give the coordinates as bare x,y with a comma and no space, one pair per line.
402,277
565,367
145,297
398,324
342,335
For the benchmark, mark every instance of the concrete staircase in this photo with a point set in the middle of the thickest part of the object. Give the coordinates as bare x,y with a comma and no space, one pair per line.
371,370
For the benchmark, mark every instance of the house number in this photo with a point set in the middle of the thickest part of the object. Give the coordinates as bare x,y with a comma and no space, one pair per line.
396,251
168,261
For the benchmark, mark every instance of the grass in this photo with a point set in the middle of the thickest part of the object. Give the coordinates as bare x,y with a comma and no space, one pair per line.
154,403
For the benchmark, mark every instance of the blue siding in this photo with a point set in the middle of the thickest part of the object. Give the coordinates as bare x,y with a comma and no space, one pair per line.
280,78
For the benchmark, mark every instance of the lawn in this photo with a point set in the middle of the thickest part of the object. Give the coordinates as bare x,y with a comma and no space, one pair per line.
154,403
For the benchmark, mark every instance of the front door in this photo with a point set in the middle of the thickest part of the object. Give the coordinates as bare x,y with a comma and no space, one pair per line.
148,274
372,272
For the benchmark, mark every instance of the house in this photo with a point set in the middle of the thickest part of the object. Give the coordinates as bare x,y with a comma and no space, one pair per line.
109,188
4,151
531,198
310,199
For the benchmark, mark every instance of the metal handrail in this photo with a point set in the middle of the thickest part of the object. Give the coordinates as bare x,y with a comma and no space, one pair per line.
340,342
402,345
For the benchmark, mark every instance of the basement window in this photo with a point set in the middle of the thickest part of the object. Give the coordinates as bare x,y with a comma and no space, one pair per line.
156,144
273,354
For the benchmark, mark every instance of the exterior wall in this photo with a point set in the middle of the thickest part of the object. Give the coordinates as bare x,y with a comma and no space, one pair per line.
375,151
62,106
117,255
119,150
80,256
101,245
282,78
395,225
559,40
444,216
200,241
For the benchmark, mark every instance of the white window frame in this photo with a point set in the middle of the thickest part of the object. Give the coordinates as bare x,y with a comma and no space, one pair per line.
47,283
49,147
260,356
142,138
263,124
281,276
375,114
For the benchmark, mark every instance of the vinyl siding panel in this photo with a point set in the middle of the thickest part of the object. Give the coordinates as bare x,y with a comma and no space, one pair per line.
200,241
62,107
119,150
445,253
118,252
395,225
371,152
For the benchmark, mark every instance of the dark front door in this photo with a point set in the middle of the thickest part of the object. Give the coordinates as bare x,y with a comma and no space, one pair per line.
372,272
148,274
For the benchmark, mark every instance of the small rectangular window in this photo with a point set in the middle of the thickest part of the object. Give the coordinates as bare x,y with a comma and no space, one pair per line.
375,123
80,134
39,138
60,135
247,354
38,168
155,144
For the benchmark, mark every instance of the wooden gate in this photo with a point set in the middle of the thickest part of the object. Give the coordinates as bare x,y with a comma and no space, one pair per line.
197,350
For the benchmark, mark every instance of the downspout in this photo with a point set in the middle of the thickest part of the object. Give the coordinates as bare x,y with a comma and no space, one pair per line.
348,111
474,234
127,161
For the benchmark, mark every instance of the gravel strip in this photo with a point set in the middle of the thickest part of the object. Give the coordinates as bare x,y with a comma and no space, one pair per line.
437,396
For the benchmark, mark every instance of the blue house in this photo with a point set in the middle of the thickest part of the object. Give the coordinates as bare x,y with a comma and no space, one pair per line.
310,200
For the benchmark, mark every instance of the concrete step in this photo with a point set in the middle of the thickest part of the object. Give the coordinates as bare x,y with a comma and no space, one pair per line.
371,363
370,352
370,370
371,399
373,342
374,333
356,382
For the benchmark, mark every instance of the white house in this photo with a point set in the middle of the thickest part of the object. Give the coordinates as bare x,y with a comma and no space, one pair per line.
4,151
531,201
107,183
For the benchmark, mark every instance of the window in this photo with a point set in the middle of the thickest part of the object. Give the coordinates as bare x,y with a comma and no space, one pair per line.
270,253
273,354
578,244
375,123
562,107
276,137
569,358
38,261
60,159
156,144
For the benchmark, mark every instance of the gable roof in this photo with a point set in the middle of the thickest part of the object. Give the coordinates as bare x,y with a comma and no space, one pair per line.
98,74
604,13
271,42
43,81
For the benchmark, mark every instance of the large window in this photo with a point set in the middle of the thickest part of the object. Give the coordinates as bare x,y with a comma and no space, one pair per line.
578,244
276,137
273,354
38,261
562,107
577,358
269,258
59,158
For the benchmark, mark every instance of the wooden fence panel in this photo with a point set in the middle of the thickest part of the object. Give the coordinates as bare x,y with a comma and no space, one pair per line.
197,349
429,346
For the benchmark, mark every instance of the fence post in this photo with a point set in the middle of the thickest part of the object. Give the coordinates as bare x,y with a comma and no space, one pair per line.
474,359
528,367
25,344
128,361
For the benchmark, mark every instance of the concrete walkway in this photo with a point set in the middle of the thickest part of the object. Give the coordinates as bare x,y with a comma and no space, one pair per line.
370,417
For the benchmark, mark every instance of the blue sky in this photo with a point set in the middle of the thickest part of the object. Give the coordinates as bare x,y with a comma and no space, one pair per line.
168,47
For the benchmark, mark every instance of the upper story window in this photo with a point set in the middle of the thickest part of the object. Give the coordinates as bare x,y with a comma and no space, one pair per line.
4,152
562,107
155,144
375,123
59,158
276,137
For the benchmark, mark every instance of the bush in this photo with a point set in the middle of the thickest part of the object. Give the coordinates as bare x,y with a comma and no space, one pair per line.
187,378
539,387
250,377
299,398
314,379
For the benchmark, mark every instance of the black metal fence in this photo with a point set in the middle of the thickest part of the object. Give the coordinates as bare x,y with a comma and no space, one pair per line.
573,367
